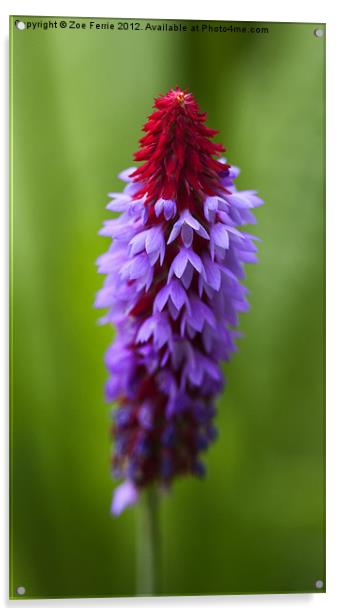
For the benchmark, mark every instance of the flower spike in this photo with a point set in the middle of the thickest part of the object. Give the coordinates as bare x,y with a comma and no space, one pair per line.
173,294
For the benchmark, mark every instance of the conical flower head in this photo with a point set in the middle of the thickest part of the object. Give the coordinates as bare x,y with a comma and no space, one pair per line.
173,293
179,154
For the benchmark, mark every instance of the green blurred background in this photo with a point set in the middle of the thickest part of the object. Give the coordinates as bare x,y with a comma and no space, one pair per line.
256,523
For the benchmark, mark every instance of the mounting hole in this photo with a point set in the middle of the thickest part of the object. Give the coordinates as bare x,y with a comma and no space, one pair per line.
20,590
319,584
20,25
318,32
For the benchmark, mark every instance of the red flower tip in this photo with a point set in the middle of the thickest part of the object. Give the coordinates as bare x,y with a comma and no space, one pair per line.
179,154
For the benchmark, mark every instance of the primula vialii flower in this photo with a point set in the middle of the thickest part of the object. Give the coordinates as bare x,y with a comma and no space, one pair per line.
173,294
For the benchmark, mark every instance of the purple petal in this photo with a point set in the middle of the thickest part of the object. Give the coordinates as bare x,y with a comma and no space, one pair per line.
225,218
187,276
179,263
213,273
162,298
159,207
137,243
248,257
219,235
124,175
197,314
118,229
169,209
210,206
133,188
168,206
136,268
195,260
124,496
173,310
190,220
203,233
238,200
211,368
255,200
119,202
162,332
178,295
106,263
174,231
154,239
146,330
234,172
187,235
136,207
104,297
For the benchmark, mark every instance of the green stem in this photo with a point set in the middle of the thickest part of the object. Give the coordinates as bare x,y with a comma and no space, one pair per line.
148,543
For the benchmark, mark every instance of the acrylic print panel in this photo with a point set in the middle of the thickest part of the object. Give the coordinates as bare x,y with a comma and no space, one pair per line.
214,456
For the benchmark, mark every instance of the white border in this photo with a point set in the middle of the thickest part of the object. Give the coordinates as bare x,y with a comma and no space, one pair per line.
261,10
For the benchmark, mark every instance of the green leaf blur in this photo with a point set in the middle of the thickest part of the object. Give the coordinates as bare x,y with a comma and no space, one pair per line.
256,523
